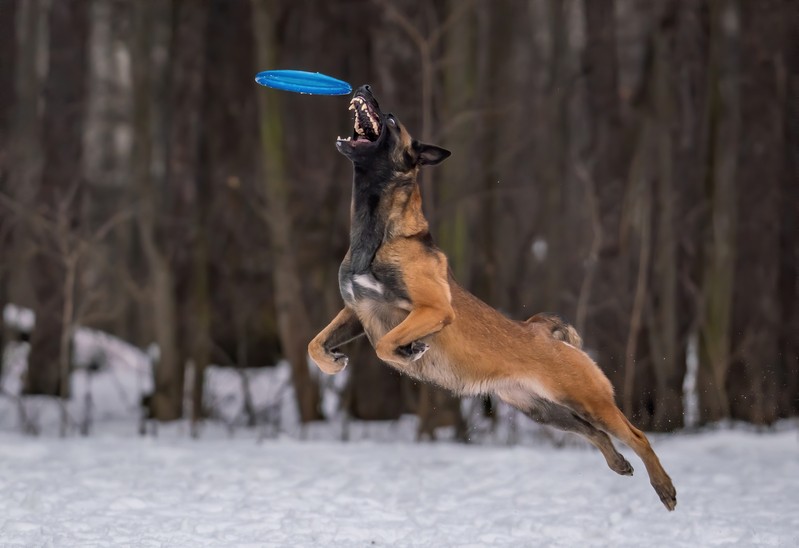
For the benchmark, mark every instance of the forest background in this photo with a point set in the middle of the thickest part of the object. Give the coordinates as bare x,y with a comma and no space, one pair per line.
630,165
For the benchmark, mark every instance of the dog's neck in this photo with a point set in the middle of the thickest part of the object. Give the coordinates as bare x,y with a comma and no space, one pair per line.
378,214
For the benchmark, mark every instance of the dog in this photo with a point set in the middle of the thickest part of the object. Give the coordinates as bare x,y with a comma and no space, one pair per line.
398,291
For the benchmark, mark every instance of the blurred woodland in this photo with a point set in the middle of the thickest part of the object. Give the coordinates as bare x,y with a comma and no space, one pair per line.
630,165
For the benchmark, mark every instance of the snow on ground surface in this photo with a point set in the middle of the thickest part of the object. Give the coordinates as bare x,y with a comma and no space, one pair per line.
735,487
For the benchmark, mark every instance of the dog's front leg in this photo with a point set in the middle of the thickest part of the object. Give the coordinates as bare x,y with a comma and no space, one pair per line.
428,288
324,348
402,345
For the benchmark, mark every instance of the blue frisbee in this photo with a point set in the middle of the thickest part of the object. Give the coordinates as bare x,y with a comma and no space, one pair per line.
300,81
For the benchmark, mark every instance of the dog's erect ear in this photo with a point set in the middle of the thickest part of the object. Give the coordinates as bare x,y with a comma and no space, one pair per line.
430,155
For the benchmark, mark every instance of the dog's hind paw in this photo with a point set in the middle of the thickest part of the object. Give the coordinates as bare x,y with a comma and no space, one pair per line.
413,351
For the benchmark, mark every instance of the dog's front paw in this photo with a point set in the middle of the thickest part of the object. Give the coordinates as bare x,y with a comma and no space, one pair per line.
340,360
413,351
331,362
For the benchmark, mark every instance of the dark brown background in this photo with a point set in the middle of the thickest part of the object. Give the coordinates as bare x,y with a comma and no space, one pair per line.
632,166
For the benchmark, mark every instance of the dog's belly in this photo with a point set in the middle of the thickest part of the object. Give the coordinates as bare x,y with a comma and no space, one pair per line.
435,366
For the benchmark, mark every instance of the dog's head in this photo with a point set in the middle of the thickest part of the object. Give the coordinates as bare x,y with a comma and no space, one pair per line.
381,144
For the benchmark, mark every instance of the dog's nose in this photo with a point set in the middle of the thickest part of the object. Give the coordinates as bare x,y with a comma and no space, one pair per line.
365,89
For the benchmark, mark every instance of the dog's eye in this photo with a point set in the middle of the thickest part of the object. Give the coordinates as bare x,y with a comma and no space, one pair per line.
392,122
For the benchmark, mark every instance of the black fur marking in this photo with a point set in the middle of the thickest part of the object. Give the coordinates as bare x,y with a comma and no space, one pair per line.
412,350
570,418
393,284
368,227
409,160
559,416
427,239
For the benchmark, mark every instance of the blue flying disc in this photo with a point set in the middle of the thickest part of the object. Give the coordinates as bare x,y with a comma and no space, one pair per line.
301,81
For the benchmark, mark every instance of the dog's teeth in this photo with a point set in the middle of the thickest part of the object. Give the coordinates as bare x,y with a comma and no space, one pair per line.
364,108
352,107
372,121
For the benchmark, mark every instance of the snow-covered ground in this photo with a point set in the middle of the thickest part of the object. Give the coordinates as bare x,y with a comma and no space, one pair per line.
735,488
237,486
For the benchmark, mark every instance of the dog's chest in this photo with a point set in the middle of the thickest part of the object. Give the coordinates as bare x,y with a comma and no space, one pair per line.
377,295
380,283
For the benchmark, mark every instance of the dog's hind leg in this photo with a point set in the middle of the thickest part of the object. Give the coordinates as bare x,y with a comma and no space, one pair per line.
609,418
324,348
561,417
586,391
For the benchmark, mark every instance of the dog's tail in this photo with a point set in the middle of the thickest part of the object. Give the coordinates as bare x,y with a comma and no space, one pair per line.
558,328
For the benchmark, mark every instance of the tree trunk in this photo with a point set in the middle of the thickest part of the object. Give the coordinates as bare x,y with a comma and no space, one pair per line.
690,166
459,95
293,322
753,382
556,154
169,369
189,197
483,166
8,64
25,149
667,359
788,282
720,189
610,152
61,187
107,163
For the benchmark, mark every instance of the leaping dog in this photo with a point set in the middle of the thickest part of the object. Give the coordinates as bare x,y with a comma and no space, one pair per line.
399,292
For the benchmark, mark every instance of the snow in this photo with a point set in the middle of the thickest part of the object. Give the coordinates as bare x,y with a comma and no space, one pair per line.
735,488
18,317
111,376
113,371
518,484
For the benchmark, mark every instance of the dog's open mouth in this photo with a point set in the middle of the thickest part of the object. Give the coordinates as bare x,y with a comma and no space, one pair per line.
366,125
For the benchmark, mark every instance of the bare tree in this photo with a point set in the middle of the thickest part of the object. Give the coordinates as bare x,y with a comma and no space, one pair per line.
788,280
599,166
189,203
60,191
8,62
753,380
25,148
294,324
611,147
169,370
663,306
721,191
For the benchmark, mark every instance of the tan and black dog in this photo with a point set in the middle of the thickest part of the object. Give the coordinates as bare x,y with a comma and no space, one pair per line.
399,292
